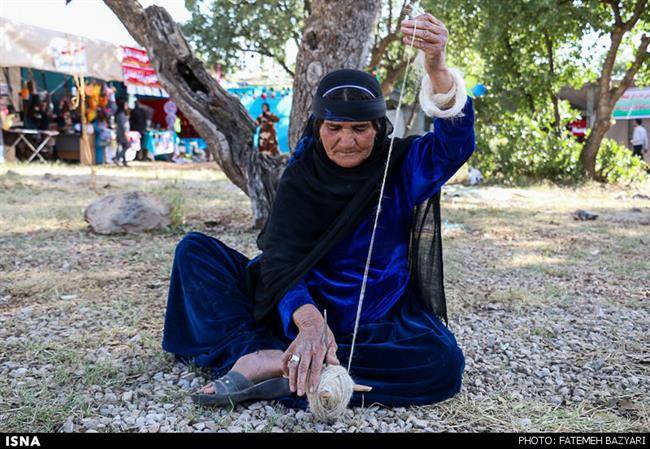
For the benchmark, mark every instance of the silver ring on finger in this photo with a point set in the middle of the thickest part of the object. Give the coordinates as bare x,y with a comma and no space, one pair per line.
294,359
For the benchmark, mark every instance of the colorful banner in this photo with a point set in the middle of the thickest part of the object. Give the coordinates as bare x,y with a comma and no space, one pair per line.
635,103
139,75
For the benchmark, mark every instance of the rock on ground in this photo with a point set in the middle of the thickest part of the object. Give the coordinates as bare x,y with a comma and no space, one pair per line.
127,212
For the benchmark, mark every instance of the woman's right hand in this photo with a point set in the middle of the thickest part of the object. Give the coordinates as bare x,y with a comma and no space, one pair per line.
311,348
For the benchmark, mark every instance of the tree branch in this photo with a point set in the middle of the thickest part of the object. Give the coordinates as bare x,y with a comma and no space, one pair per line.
380,47
264,52
641,56
393,73
404,11
551,70
616,37
639,8
218,116
616,8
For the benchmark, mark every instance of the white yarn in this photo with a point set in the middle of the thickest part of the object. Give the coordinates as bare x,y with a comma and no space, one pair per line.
431,103
336,384
381,197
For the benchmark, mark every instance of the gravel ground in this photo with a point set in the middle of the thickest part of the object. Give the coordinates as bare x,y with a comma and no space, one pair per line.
552,314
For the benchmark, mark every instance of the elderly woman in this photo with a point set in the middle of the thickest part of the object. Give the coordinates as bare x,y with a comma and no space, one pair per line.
259,323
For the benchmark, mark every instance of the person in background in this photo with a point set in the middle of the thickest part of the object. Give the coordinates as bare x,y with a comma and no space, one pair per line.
122,122
639,139
8,116
64,119
39,116
140,118
268,141
102,134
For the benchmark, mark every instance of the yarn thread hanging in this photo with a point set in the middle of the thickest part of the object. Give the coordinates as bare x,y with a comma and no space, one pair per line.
335,388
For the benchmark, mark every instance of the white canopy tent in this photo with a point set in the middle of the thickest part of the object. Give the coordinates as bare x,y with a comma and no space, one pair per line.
39,48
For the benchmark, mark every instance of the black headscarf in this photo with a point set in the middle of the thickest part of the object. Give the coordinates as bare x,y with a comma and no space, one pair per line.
318,202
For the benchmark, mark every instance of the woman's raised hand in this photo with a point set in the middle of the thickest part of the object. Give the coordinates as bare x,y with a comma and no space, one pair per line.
431,37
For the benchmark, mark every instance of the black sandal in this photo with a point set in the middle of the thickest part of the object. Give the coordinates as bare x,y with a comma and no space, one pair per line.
234,388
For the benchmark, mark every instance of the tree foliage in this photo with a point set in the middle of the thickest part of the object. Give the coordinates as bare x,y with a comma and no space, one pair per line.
221,31
524,51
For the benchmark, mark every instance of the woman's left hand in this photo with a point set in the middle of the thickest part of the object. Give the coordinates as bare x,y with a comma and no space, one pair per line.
431,37
310,348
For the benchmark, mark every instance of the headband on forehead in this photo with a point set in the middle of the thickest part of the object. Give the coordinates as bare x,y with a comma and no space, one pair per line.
325,108
348,111
354,86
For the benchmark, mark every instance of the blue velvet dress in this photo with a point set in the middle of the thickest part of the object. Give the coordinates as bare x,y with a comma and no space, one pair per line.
403,350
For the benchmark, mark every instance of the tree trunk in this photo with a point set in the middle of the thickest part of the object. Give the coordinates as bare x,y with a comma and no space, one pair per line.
591,147
393,74
548,42
220,119
337,34
605,102
607,95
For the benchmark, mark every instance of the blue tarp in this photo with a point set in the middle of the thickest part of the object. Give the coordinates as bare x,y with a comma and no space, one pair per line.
280,105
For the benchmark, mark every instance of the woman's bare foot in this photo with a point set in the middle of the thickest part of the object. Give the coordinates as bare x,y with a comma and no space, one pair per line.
256,367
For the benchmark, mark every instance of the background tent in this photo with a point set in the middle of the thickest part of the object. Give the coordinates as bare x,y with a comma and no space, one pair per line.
39,48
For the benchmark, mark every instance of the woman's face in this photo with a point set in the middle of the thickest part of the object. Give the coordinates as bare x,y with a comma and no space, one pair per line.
347,144
265,108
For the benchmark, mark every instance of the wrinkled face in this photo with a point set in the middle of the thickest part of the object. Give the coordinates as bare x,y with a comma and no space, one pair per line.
347,144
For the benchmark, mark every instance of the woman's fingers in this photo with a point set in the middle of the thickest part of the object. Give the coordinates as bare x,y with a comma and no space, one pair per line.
302,372
427,35
292,367
430,30
422,20
418,41
423,45
425,27
316,368
331,357
286,356
285,360
432,19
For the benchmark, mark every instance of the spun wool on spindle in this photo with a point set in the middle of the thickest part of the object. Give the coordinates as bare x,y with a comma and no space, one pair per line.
333,394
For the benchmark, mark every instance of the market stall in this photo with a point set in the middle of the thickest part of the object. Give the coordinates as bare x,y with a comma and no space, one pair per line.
168,134
56,85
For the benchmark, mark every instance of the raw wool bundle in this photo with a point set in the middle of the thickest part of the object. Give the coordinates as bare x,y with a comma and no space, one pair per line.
331,398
